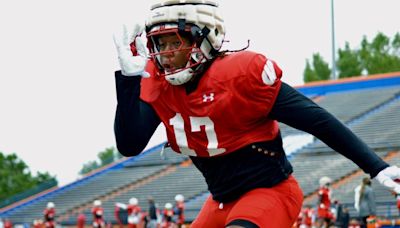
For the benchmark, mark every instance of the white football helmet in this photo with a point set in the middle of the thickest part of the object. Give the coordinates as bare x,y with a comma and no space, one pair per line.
50,205
325,181
198,19
179,198
168,206
133,201
97,203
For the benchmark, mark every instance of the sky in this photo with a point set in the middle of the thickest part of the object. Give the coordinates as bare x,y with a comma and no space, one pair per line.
57,61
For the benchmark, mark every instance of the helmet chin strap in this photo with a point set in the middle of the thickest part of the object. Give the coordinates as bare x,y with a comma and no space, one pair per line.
189,73
183,76
180,77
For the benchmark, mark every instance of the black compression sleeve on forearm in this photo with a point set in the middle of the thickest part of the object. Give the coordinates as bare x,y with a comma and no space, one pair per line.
135,120
296,110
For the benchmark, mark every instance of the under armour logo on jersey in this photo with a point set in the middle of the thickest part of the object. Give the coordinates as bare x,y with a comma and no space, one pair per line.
268,74
208,98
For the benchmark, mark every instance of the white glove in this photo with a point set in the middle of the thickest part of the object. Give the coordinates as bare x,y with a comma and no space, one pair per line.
132,65
386,177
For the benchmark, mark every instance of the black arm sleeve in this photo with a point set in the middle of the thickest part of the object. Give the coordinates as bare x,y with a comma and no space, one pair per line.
296,110
135,120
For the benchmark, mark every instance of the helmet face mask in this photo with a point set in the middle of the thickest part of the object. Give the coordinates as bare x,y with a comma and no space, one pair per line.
177,56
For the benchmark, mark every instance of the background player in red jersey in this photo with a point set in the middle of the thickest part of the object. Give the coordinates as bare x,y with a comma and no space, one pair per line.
307,217
98,215
221,108
134,212
49,215
167,216
324,212
179,210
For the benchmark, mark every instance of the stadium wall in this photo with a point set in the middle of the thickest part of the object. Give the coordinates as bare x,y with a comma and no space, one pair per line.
347,84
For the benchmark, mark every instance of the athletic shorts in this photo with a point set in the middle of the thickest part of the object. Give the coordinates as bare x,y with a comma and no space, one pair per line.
275,207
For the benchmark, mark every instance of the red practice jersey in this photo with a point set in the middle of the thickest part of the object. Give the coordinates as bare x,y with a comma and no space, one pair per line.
49,214
242,86
307,216
180,208
97,212
324,207
133,209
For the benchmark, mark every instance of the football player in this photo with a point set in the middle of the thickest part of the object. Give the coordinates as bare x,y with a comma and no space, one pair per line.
133,210
221,108
98,215
179,210
49,215
167,216
325,215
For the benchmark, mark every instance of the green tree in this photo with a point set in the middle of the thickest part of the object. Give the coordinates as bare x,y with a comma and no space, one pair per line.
309,73
381,55
349,63
106,157
88,167
16,176
318,71
396,45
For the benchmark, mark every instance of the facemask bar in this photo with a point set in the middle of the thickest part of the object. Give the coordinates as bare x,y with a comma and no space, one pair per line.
195,56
